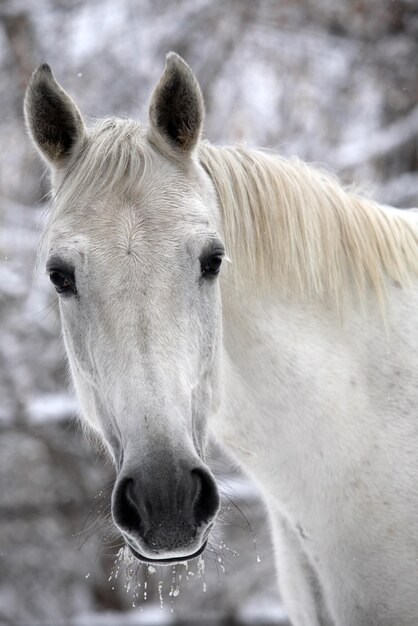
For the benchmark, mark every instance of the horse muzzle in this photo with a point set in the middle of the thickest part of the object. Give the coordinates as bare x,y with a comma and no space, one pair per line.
165,514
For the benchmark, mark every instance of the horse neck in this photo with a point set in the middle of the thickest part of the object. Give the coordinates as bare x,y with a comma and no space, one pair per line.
266,339
294,386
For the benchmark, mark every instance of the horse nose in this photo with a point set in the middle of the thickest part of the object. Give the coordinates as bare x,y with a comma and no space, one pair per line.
206,496
169,514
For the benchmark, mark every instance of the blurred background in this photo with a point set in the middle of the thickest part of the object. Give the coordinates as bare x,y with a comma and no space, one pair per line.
332,81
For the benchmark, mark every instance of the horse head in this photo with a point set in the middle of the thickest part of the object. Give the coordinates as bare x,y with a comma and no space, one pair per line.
134,252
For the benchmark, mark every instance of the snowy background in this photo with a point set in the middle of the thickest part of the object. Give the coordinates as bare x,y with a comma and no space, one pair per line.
333,81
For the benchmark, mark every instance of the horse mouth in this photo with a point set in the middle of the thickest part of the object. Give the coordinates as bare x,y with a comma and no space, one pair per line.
176,559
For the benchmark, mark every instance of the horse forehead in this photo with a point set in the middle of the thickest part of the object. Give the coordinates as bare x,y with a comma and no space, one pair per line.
130,224
165,211
146,236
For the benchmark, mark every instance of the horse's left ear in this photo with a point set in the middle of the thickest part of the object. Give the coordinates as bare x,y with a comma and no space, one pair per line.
176,110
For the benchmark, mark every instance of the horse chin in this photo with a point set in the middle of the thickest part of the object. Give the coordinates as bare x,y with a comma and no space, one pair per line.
167,561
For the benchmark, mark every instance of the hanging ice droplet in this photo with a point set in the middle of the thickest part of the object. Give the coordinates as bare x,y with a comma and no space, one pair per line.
160,593
174,584
201,566
151,569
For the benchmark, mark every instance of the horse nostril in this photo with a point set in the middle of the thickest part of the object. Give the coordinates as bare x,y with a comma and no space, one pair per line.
125,508
206,496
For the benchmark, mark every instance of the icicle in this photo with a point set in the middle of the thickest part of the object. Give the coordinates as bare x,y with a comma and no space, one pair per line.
201,571
160,594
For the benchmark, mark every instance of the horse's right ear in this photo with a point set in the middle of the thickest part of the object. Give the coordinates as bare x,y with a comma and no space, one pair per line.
53,120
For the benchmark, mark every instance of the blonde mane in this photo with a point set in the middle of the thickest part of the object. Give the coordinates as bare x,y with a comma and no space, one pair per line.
293,226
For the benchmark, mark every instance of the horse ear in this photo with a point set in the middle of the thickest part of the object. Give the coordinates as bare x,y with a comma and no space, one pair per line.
52,119
176,110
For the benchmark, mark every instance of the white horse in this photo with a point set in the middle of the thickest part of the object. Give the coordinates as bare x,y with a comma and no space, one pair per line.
300,355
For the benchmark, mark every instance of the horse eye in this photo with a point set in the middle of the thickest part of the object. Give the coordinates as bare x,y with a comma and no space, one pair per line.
62,281
211,266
